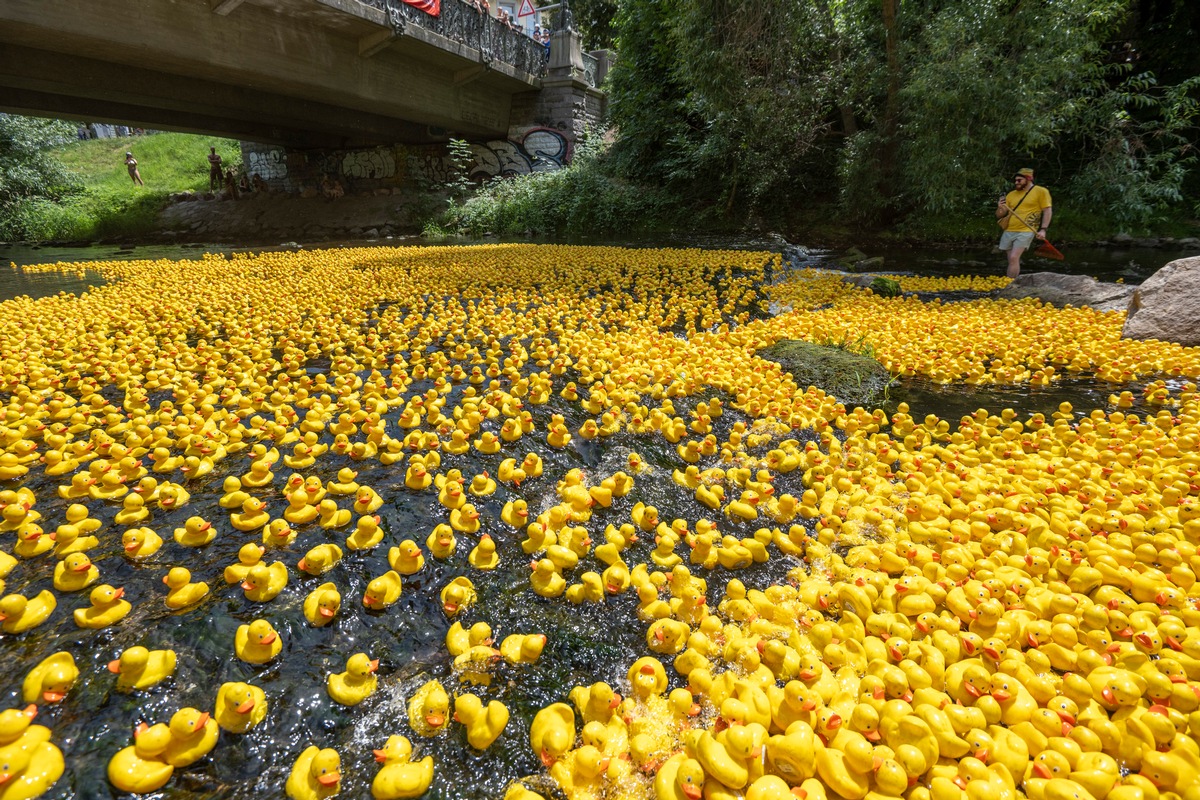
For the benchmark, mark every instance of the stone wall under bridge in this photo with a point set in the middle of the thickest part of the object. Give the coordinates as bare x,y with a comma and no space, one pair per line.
384,170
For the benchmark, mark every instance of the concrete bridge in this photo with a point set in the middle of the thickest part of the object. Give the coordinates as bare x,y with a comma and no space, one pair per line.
332,74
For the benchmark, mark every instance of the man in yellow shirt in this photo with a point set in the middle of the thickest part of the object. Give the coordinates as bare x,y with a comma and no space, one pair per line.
1024,213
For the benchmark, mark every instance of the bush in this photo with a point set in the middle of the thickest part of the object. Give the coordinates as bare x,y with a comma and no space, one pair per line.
581,199
38,219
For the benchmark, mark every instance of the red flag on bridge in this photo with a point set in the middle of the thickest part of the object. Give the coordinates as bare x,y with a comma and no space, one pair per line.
431,7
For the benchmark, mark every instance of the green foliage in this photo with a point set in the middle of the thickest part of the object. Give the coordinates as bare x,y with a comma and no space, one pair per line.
30,177
583,198
1140,148
885,287
595,21
756,109
459,160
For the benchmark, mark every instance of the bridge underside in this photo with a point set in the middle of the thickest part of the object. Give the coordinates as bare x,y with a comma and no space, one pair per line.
302,73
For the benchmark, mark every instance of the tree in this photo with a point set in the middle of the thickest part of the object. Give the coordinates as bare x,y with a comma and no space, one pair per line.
27,170
906,111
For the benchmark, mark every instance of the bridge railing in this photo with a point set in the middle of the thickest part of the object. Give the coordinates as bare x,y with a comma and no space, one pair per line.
461,22
591,70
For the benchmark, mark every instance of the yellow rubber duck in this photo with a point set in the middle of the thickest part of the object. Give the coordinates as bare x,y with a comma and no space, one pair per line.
140,543
457,596
17,728
32,541
357,683
367,533
181,592
407,558
234,497
428,710
195,533
264,582
417,477
382,591
133,510
141,768
400,777
194,734
172,496
331,516
79,487
240,707
483,555
482,485
75,573
140,668
459,640
647,678
546,579
320,559
465,519
317,774
299,510
595,703
483,723
616,579
366,501
552,733
257,643
680,778
51,679
107,607
258,476
249,554
441,542
322,604
253,515
19,613
278,533
523,648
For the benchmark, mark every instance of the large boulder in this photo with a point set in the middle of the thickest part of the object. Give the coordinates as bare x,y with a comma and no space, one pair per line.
1167,305
1058,289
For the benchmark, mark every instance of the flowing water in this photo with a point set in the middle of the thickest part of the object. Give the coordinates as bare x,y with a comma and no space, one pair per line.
586,643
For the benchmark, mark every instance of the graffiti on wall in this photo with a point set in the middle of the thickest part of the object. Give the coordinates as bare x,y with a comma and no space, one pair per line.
267,164
538,150
380,163
429,165
534,150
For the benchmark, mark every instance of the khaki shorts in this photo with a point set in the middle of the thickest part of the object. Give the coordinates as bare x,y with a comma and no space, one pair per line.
1019,240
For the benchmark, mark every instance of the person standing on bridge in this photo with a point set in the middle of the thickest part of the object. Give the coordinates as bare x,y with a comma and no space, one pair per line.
134,175
215,176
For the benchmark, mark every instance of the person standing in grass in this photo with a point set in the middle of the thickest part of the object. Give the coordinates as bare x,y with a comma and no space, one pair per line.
215,176
134,175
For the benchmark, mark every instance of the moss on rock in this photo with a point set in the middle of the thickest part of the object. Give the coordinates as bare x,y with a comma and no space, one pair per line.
854,379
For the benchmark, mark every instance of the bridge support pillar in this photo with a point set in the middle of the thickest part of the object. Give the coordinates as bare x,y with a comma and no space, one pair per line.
566,102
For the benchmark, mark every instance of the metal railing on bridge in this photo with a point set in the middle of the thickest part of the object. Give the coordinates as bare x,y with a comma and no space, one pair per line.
462,22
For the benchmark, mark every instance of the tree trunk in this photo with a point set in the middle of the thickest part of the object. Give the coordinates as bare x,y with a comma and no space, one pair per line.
891,115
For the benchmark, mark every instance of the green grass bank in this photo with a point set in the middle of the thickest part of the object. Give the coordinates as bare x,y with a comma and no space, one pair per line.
108,205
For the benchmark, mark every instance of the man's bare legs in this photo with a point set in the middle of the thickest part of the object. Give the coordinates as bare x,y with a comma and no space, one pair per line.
1014,261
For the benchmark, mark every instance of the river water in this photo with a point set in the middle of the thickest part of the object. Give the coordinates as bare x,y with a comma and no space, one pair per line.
586,643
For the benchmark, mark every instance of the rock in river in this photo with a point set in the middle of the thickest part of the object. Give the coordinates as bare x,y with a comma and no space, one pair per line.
1167,305
1068,290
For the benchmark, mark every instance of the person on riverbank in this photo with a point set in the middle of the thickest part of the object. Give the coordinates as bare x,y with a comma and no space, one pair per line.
215,175
1024,214
132,165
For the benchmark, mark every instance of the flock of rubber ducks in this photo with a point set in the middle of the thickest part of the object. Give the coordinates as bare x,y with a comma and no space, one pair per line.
999,607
